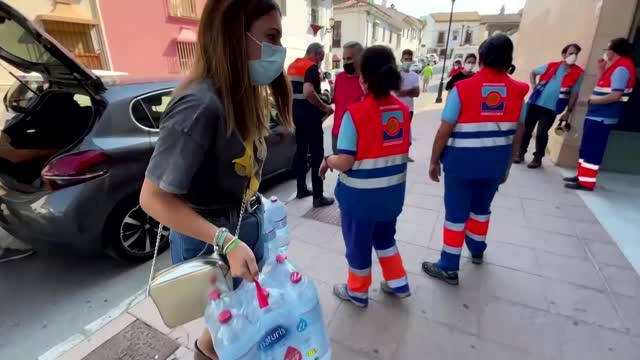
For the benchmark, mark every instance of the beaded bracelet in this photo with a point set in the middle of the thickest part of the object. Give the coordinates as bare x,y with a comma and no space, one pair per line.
230,246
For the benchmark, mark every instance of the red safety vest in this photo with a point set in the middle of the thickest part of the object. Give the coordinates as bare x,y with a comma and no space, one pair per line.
481,142
296,72
568,81
612,110
374,187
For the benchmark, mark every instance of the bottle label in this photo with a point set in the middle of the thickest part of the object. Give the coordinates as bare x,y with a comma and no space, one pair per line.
272,337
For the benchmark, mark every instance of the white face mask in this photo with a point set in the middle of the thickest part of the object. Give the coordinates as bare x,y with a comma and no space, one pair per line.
469,67
605,57
571,59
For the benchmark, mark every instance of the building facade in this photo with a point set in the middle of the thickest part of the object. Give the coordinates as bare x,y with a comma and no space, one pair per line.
499,23
374,24
591,24
465,32
75,24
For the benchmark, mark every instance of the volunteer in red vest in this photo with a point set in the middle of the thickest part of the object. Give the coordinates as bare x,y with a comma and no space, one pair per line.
556,91
482,125
308,112
373,149
606,105
347,89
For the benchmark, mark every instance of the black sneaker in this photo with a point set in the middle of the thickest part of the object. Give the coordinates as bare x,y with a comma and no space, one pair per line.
478,260
14,254
519,159
577,186
304,194
570,179
433,270
535,163
323,201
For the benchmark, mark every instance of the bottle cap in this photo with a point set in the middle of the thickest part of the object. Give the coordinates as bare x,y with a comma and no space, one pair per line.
295,277
273,199
215,295
280,259
224,316
265,292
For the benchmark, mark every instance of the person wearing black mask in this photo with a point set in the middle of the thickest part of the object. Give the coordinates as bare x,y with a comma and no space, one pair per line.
348,89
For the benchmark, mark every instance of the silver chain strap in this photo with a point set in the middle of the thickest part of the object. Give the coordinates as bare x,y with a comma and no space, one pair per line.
243,208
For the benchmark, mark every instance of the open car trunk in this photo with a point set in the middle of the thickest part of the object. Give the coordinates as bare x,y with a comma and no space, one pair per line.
54,121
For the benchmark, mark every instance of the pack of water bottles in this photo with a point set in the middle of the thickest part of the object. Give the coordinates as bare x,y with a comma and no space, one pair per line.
276,317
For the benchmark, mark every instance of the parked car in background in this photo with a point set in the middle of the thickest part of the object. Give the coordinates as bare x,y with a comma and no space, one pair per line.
75,146
432,59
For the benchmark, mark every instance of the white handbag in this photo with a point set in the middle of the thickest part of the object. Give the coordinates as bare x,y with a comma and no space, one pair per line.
180,292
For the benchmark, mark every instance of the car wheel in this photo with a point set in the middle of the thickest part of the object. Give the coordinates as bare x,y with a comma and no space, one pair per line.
132,233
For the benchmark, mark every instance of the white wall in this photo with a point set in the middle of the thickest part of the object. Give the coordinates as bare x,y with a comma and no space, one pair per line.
297,34
353,28
430,33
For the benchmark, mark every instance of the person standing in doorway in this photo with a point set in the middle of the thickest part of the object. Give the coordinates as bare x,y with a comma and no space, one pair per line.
606,105
427,73
373,149
467,71
347,89
410,86
308,112
482,125
556,91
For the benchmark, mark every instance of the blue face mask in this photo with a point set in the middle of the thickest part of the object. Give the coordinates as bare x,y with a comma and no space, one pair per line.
269,66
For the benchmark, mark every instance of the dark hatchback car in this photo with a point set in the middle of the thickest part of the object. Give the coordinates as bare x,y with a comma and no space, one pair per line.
74,149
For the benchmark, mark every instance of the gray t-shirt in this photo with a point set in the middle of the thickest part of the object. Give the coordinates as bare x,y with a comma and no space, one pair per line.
194,156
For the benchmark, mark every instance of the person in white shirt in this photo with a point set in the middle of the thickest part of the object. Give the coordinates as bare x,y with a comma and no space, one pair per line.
410,87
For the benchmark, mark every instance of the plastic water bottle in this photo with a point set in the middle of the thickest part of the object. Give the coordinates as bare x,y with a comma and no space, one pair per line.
234,337
270,242
278,274
277,214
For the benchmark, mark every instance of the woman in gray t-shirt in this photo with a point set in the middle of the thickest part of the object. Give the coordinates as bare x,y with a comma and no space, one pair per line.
211,147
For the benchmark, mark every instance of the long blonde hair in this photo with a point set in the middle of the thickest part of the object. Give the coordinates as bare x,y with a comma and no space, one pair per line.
222,58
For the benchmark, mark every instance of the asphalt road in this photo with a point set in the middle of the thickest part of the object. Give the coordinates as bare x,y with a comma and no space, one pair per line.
47,298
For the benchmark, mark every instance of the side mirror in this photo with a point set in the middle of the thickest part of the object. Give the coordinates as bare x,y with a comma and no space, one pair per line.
327,75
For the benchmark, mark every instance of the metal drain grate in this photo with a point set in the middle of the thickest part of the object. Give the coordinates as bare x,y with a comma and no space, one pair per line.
137,341
328,215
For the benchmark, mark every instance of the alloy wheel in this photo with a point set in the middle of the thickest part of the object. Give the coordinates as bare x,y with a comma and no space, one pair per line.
139,232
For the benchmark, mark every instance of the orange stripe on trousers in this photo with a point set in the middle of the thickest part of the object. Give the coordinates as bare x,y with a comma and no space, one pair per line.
356,283
453,238
480,228
392,267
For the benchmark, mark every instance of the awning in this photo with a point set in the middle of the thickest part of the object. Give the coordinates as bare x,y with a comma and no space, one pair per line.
65,12
336,58
187,35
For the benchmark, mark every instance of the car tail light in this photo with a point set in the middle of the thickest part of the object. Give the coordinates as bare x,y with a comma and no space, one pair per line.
75,168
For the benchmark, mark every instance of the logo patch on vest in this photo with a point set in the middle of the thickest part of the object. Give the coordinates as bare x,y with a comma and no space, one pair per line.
493,99
392,133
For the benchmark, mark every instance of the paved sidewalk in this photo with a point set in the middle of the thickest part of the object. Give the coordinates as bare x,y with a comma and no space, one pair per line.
554,285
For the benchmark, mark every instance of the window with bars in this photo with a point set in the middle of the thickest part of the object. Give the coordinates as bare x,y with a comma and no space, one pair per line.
186,55
468,37
440,38
78,39
336,35
183,8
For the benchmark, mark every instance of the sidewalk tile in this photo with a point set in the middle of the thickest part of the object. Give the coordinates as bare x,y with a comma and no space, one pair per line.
318,234
343,352
622,280
412,256
630,308
426,189
413,215
375,331
590,342
575,270
551,223
147,312
428,340
187,334
555,243
556,209
328,301
507,202
608,254
98,338
318,262
493,351
510,216
583,304
522,327
591,231
412,234
513,285
512,256
429,202
182,354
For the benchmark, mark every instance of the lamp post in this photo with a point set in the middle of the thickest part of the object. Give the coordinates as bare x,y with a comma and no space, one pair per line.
446,51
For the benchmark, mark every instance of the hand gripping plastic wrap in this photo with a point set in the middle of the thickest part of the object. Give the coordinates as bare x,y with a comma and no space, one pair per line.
278,317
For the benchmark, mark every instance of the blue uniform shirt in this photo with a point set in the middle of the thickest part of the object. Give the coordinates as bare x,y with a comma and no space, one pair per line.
619,80
348,137
549,96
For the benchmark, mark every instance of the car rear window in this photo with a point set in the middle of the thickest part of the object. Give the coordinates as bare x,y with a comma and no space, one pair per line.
16,41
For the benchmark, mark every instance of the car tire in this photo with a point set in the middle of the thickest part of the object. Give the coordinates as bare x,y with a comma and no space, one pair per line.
131,233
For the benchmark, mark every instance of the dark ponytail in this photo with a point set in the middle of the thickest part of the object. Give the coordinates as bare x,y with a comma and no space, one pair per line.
497,53
380,71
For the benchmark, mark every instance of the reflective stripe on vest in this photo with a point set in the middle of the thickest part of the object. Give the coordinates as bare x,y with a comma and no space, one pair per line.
373,183
481,142
485,126
367,164
600,92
